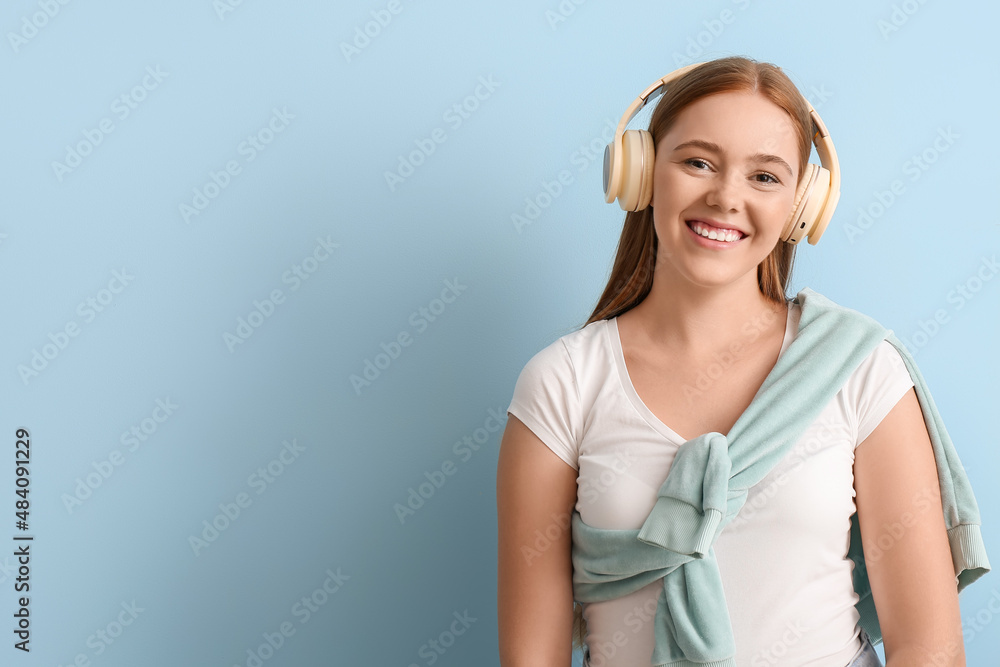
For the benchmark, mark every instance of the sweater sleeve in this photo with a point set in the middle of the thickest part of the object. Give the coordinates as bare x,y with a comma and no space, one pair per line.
876,387
547,399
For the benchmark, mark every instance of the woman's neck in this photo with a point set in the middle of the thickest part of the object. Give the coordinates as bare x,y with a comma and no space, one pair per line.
699,320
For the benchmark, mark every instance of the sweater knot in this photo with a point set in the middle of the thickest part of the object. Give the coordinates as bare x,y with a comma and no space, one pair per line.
692,500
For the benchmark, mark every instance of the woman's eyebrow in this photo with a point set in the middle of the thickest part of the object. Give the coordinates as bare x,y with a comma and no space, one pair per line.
716,148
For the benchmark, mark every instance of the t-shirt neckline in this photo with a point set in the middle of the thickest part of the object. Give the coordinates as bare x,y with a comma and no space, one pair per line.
614,340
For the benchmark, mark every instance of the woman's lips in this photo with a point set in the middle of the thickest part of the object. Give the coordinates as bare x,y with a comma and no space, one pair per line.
713,234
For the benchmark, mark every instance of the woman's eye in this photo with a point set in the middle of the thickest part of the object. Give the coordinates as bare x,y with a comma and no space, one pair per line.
769,178
696,162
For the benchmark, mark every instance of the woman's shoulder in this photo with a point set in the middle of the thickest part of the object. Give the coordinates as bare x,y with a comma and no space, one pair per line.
566,359
811,300
579,341
888,353
552,392
881,378
828,318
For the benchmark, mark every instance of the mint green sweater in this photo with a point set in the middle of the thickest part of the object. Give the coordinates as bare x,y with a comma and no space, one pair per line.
711,475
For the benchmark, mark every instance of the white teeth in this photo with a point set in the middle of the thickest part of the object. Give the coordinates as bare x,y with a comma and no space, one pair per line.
717,235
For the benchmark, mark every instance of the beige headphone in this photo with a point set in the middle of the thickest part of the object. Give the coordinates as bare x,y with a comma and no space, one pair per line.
628,170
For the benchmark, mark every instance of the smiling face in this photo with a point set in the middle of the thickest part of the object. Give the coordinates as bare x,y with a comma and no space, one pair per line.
723,186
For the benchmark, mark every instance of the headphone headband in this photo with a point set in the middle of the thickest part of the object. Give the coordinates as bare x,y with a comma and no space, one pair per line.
628,161
651,93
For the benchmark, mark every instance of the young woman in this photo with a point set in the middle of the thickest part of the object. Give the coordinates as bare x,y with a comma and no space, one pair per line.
693,319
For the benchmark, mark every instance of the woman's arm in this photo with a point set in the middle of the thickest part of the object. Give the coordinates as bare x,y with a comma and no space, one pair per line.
905,542
536,490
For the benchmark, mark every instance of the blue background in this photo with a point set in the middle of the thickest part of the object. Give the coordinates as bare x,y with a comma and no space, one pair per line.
558,74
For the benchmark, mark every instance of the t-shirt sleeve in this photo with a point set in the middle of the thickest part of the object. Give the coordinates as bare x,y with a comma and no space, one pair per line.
879,383
547,399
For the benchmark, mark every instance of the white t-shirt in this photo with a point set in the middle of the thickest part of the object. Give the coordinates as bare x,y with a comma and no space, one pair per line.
783,559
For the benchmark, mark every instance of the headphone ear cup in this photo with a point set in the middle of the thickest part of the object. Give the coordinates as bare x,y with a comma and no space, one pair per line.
791,233
820,207
636,182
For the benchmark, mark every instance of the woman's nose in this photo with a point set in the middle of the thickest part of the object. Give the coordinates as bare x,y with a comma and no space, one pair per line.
724,192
